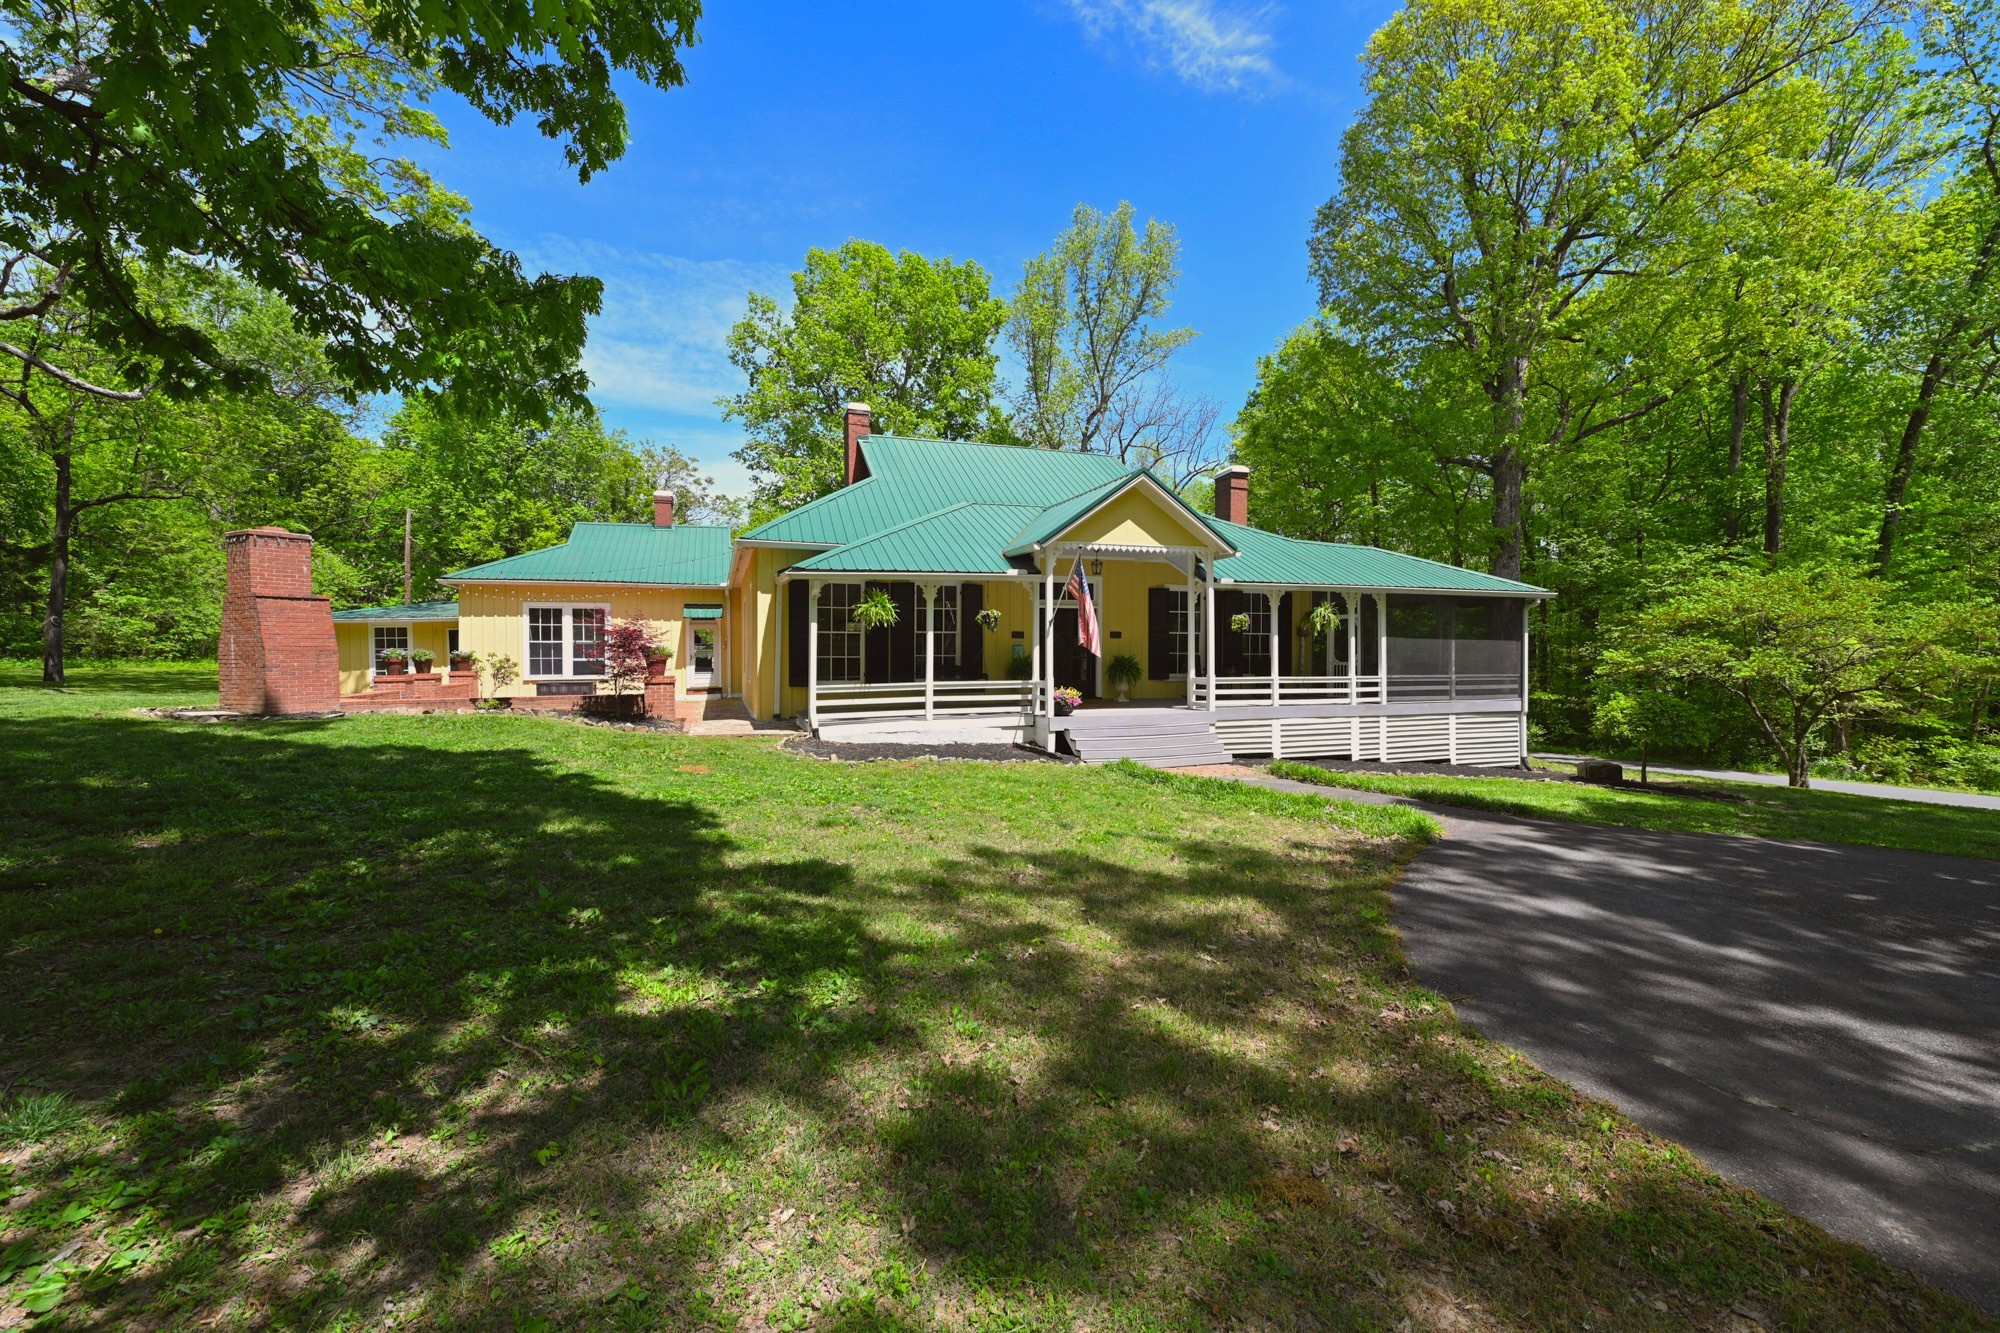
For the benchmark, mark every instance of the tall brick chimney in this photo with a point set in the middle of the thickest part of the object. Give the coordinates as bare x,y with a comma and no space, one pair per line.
276,652
1232,494
859,420
663,509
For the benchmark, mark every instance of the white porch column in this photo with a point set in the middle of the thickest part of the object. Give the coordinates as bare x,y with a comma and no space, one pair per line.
1271,599
1047,643
812,655
928,592
1526,606
1208,630
1352,600
1382,648
1187,623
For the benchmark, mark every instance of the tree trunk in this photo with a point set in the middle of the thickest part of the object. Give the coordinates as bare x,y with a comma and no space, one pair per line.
1777,453
1905,465
52,623
1507,480
1935,371
1739,417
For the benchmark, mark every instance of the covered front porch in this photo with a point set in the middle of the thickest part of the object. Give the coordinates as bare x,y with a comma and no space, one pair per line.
1301,670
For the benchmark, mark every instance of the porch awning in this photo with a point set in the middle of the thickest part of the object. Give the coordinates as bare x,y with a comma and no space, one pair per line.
702,612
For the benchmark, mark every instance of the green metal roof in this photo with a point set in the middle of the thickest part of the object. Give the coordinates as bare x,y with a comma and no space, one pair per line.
1265,557
963,539
687,555
413,611
1052,522
908,479
701,612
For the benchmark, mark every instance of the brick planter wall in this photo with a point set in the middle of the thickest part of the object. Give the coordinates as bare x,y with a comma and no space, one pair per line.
276,653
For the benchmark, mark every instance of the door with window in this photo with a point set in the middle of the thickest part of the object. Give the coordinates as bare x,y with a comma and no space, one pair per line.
704,646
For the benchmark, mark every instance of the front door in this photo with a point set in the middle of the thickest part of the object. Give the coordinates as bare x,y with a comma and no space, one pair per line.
1074,667
701,656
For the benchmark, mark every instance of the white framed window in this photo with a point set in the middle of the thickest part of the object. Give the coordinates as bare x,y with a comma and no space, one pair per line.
1257,643
945,614
386,637
1177,633
566,641
451,642
840,639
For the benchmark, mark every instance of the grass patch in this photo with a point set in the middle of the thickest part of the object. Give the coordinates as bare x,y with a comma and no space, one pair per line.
492,1022
1762,811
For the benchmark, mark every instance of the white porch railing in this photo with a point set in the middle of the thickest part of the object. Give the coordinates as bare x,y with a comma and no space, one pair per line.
1247,691
912,698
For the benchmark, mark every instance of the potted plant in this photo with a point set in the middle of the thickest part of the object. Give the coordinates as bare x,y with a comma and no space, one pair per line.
989,618
875,611
391,661
1240,622
1124,671
1067,698
422,657
1020,667
462,660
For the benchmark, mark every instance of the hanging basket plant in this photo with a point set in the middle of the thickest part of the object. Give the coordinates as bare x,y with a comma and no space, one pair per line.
989,619
1240,622
875,611
1322,620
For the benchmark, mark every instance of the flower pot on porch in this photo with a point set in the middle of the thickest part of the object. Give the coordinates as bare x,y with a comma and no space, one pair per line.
1064,708
461,662
390,666
656,665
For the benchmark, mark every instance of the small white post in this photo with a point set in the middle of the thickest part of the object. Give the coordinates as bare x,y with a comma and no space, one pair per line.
812,655
928,591
1271,600
1208,630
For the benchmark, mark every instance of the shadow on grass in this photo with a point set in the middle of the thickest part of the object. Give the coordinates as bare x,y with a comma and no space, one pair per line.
479,1032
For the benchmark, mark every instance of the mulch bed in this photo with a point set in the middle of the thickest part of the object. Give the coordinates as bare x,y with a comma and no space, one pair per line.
859,752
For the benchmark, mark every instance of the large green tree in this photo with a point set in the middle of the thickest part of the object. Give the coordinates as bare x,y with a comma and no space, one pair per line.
1088,326
912,337
259,138
1516,160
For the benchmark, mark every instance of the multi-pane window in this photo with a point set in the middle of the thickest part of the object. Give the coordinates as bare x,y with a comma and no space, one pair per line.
1257,643
1177,631
946,616
586,625
545,640
391,636
839,637
566,640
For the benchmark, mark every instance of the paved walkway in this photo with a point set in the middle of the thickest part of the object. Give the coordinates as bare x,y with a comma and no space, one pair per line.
711,714
1820,1023
1928,795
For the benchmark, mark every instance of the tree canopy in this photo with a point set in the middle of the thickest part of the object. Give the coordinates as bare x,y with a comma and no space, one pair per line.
247,136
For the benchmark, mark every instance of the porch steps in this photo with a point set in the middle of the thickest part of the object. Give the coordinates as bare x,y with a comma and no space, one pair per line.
1155,737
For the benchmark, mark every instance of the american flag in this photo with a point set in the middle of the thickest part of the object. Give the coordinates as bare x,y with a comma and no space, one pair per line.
1078,590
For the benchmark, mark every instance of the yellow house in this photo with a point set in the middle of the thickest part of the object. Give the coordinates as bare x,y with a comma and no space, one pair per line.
980,592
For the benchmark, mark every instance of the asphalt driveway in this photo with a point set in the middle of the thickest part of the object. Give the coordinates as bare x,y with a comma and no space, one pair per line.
1818,1022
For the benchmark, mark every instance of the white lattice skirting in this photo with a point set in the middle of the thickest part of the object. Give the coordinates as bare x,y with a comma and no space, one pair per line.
1492,740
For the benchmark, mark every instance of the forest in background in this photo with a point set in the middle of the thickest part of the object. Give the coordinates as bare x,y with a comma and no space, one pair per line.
1687,312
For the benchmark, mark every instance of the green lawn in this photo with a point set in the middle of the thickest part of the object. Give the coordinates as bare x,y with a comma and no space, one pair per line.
1763,811
493,1022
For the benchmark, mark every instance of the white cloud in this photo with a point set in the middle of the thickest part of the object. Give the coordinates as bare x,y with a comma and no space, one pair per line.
661,343
1210,47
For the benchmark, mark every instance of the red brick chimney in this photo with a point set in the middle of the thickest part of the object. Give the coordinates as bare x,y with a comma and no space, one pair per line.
1232,494
276,652
859,420
663,509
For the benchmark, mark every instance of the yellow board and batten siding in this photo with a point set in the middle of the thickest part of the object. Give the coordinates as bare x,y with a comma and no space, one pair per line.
355,642
493,620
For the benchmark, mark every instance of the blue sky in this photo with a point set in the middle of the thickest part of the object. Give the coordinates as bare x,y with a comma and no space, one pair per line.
962,130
